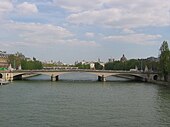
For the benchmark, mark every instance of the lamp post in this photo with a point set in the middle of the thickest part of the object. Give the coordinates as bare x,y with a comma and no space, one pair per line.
14,65
141,68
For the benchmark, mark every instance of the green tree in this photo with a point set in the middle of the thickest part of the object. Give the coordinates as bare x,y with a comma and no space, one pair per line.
83,66
116,65
109,66
31,65
98,66
14,60
164,60
131,64
19,59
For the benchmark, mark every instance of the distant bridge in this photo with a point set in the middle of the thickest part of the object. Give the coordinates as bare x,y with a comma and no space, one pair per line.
101,74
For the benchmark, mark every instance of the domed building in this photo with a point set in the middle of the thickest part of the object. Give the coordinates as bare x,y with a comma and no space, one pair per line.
123,58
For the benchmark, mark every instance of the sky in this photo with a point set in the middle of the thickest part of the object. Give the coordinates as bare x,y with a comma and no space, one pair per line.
71,30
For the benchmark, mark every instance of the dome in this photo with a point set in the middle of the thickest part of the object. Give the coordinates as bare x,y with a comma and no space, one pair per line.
123,58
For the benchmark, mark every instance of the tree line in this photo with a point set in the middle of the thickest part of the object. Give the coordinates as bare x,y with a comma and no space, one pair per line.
164,60
140,64
161,65
19,60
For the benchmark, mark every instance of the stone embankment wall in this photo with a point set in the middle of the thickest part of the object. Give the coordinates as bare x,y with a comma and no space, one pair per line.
169,78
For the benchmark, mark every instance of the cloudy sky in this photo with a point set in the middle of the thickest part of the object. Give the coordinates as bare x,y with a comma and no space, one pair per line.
70,30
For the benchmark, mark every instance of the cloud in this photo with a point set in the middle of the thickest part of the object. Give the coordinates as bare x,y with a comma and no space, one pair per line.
76,25
89,34
78,5
37,33
5,7
27,8
79,43
128,31
34,33
29,34
139,39
122,14
95,17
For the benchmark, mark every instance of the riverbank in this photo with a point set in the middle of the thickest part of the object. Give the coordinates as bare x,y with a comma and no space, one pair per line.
161,83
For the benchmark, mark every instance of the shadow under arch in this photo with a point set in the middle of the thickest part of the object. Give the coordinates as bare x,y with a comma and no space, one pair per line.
132,77
18,77
1,76
155,77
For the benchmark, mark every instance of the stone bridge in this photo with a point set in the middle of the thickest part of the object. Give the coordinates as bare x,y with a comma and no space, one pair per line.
101,74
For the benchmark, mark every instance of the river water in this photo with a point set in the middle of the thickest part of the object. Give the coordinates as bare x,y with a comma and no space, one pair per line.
78,100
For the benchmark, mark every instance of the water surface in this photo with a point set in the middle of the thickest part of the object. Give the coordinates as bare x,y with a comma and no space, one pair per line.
80,101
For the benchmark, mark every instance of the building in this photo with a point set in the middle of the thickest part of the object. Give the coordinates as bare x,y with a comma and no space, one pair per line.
59,63
3,60
92,65
111,60
152,59
123,58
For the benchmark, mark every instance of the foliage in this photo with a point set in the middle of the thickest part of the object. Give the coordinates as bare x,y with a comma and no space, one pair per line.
83,66
164,62
132,64
98,66
116,65
31,65
19,59
14,60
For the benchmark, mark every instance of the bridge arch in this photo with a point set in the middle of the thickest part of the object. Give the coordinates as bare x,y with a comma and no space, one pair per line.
1,75
17,77
102,75
130,76
54,75
155,77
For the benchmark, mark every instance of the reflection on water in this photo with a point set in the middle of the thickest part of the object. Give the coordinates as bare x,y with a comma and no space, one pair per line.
78,100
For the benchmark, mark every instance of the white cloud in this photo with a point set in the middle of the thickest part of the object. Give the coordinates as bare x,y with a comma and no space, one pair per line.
27,8
122,14
92,22
5,6
141,39
89,34
34,32
78,5
95,17
76,42
38,33
128,31
29,34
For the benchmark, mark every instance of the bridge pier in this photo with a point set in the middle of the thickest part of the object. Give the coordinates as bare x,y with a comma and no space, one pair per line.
7,76
101,78
54,78
102,74
11,78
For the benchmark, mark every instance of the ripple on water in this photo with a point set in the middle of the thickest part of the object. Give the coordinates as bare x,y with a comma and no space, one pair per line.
95,104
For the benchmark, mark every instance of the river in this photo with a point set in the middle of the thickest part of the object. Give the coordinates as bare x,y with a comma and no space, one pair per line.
78,100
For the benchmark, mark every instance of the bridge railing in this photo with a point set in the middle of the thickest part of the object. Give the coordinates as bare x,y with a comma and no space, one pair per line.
73,70
77,70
